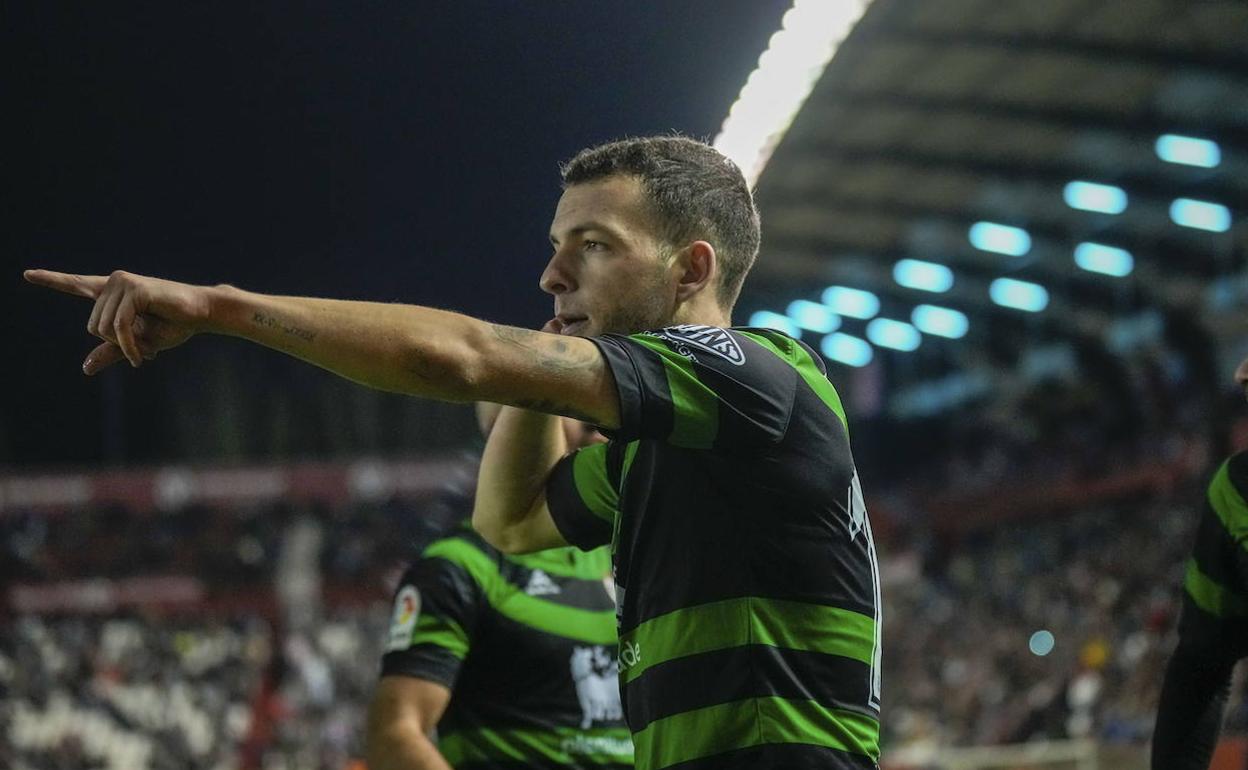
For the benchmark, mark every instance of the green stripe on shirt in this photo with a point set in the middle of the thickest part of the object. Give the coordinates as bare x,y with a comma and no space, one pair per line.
797,356
1229,505
749,620
589,472
753,722
442,632
563,745
1212,597
695,407
593,627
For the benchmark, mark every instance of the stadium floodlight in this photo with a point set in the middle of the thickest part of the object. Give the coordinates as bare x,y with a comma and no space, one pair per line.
765,319
1020,295
1201,215
854,303
940,321
1001,239
898,335
924,276
847,350
796,56
1188,150
813,316
1107,260
1093,196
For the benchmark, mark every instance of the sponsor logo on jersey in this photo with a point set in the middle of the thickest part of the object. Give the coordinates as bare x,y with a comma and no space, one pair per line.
540,584
709,339
630,655
598,744
403,621
597,684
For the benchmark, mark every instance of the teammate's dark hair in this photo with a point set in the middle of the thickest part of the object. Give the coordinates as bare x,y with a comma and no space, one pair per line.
694,193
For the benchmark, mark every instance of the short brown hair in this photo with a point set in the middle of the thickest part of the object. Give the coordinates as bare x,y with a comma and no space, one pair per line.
694,193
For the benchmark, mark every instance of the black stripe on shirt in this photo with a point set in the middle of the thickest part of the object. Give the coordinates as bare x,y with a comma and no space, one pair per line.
751,671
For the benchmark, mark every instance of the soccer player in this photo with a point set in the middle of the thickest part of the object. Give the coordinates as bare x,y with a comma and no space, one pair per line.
746,584
513,658
1213,628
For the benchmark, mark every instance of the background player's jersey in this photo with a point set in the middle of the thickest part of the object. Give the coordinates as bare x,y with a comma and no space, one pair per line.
747,590
527,645
1215,583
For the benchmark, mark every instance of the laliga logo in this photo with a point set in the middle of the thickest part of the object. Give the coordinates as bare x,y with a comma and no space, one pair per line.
630,655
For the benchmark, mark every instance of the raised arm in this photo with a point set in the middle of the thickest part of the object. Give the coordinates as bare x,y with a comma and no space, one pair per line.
402,348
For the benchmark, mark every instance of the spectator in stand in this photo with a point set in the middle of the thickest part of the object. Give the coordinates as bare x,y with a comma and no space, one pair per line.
1213,630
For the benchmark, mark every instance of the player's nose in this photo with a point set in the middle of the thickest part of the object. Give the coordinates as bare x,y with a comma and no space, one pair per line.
1241,374
557,278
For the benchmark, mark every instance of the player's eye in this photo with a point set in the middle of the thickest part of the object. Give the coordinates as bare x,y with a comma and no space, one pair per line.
594,245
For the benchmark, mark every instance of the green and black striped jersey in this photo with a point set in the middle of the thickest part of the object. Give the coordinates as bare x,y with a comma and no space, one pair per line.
527,645
1215,583
746,583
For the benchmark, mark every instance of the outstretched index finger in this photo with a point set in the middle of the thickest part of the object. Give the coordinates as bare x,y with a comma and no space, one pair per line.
88,286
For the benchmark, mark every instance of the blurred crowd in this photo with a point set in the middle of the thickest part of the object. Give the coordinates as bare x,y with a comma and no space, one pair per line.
1055,628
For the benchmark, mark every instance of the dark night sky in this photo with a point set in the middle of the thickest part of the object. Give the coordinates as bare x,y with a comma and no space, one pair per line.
390,151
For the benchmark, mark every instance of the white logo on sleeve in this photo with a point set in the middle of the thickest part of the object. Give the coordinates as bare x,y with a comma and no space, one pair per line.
709,339
403,621
540,584
596,676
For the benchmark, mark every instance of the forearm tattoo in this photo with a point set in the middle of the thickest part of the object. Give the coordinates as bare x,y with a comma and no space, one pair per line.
553,355
550,352
269,322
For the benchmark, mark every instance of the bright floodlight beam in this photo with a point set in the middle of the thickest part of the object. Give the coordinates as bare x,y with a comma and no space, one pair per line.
795,59
847,350
1201,215
1000,239
1019,295
1188,151
1093,196
765,319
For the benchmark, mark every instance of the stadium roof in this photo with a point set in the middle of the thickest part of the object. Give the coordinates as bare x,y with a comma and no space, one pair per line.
1092,154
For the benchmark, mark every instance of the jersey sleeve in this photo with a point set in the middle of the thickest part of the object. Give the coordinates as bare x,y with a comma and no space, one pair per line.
435,610
582,494
699,387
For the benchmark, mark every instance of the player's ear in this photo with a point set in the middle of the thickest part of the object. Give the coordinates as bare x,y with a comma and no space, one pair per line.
697,268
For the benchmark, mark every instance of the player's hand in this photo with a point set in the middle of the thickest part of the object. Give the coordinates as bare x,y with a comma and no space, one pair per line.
136,316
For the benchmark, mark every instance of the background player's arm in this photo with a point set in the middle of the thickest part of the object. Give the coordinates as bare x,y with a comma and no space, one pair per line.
403,713
1189,714
402,348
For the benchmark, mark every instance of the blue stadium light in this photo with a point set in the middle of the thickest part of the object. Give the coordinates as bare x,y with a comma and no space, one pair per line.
847,350
940,321
765,319
1201,215
1041,643
1002,239
813,316
897,335
1188,150
1091,196
924,276
854,303
1020,295
1108,260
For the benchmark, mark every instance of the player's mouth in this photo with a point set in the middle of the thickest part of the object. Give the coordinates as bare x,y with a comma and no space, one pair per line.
571,325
